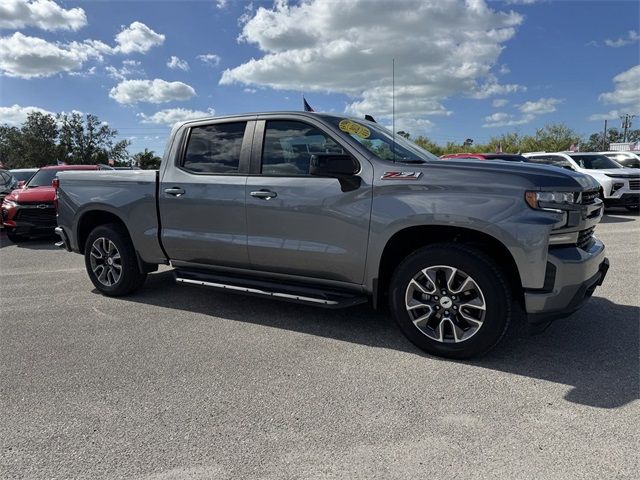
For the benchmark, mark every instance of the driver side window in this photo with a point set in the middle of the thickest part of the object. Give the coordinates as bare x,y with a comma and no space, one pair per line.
289,145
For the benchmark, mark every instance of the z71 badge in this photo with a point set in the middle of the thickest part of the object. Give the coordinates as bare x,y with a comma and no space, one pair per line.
400,175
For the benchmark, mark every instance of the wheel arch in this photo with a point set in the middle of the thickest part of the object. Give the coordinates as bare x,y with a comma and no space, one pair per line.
403,242
91,219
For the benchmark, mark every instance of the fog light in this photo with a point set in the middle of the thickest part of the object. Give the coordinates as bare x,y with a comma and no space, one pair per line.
616,186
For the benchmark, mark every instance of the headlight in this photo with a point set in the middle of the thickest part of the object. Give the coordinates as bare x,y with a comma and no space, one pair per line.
550,200
9,204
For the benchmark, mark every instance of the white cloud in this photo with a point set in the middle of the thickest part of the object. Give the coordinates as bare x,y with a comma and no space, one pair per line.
44,14
504,69
521,2
27,57
176,63
249,90
529,111
499,102
88,73
210,59
539,107
632,37
222,3
610,115
170,116
137,37
626,94
16,115
492,87
128,69
348,49
502,119
152,91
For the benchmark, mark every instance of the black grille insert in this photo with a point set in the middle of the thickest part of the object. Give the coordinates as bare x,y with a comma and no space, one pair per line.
584,237
589,197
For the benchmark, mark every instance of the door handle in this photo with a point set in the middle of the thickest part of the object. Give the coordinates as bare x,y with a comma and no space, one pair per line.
175,191
264,194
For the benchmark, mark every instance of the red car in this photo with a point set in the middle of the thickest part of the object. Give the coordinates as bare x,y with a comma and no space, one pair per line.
509,157
30,210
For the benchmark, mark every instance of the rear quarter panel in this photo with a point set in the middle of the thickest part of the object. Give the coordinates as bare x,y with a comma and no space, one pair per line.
130,195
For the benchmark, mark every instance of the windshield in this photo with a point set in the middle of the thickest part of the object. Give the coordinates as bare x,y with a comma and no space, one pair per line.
42,178
380,142
22,176
7,180
626,160
595,162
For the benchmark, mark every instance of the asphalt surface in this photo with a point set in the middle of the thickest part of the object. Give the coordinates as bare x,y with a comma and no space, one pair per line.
179,382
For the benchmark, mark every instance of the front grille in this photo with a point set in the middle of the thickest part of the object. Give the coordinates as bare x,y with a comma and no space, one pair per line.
589,197
584,237
634,184
45,217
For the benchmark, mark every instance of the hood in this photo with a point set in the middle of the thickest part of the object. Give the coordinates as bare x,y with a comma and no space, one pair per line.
533,176
33,195
619,172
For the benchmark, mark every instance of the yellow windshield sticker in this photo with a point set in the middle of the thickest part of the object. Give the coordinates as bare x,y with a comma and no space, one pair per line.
354,128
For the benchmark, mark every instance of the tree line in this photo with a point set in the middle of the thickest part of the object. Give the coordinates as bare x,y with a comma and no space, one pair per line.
555,137
74,138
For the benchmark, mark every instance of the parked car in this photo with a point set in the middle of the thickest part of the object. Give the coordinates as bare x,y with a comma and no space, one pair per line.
620,186
7,183
332,211
509,157
626,159
23,175
30,210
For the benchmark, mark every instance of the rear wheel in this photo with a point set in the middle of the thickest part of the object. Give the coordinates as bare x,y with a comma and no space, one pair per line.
111,261
451,300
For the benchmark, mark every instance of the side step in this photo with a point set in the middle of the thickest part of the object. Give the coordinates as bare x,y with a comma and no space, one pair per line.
305,294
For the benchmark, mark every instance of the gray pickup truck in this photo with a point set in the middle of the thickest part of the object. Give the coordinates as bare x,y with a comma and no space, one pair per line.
334,211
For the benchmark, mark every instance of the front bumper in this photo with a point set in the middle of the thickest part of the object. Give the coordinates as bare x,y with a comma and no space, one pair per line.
29,218
573,275
626,199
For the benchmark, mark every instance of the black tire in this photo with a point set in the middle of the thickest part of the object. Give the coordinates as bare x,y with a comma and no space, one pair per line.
487,276
14,237
130,278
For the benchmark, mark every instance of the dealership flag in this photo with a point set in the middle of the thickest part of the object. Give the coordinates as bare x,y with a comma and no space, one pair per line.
307,107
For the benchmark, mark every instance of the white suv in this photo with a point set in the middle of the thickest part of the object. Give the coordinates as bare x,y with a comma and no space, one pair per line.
620,185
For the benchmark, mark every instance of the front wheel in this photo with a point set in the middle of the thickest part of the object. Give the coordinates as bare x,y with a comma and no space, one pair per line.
451,300
111,261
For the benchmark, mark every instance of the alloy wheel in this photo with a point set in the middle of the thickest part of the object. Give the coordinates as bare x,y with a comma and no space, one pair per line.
106,262
445,304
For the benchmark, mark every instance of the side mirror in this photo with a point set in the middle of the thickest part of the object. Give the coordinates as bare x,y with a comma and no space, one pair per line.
332,165
55,183
20,184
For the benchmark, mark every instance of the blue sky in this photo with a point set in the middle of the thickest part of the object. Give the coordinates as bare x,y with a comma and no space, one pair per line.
469,69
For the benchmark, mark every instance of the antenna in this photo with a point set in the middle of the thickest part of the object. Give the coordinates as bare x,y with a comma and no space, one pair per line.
393,106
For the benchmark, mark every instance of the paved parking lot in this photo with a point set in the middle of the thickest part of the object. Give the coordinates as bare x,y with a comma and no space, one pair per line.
182,382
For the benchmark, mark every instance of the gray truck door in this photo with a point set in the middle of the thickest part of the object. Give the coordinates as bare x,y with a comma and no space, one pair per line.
300,224
202,195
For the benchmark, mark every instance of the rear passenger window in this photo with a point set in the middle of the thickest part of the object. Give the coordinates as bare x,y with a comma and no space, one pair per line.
288,147
214,148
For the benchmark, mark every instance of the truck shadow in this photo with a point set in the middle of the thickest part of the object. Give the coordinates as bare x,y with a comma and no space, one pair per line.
595,351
